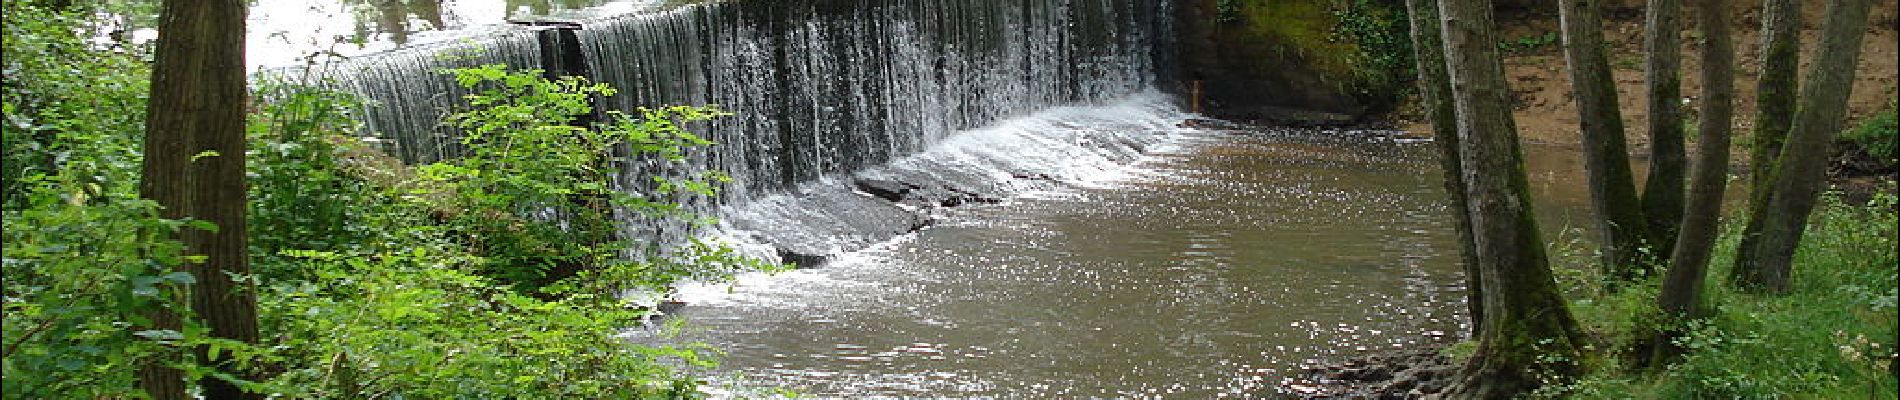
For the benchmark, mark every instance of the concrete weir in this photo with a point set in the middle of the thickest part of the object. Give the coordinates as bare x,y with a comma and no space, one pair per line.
826,95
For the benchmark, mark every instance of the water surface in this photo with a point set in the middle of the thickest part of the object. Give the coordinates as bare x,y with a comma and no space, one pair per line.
1218,266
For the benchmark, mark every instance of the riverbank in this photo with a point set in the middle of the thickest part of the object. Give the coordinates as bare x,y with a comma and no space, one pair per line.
1833,336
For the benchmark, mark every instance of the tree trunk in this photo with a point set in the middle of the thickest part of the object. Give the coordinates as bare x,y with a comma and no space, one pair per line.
1774,116
1620,220
1801,169
1775,88
1435,89
1525,316
197,117
162,180
1662,82
1681,296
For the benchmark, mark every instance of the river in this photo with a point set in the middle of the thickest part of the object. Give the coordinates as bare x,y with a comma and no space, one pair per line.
1217,264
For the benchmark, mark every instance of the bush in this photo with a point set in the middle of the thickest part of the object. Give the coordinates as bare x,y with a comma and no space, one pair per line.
430,283
368,286
1382,66
85,258
1878,137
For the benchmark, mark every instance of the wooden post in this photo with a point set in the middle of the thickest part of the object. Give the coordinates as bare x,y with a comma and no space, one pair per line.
1197,97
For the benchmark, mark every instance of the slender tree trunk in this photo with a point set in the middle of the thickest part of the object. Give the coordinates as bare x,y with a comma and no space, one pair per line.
1525,316
1775,88
1681,296
1435,89
197,117
1774,116
1662,76
1612,185
1801,169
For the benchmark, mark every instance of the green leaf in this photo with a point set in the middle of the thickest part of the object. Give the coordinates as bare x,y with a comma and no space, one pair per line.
180,278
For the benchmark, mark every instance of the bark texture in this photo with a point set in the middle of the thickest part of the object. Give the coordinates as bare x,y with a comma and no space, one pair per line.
1435,89
1606,155
1681,296
1774,88
1774,113
1525,316
195,165
1801,169
162,174
1662,83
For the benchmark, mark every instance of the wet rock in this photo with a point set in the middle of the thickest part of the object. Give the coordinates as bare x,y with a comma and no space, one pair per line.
810,227
801,260
671,306
893,191
1407,374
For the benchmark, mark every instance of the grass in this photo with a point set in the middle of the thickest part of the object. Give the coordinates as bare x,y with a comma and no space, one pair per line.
1832,337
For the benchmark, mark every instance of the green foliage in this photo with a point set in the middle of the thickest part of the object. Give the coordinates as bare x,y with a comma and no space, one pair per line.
1227,11
302,196
1528,43
421,324
1878,137
370,284
1832,337
412,295
1382,63
56,85
78,277
84,257
535,193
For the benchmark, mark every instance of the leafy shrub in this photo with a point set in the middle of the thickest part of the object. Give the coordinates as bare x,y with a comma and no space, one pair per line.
71,108
367,289
1382,65
84,258
1528,43
420,323
1878,137
432,290
79,279
302,196
535,193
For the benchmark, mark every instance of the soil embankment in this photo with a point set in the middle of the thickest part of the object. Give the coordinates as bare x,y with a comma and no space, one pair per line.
1546,109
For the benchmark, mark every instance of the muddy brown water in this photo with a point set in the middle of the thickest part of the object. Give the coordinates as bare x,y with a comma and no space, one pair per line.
1218,266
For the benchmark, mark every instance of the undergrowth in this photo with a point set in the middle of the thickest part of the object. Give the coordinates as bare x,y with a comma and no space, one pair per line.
1833,336
375,280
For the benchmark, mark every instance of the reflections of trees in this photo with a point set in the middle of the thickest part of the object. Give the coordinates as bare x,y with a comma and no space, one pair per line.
395,20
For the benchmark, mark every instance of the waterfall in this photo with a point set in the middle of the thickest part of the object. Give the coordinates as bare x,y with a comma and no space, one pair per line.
834,86
818,88
407,94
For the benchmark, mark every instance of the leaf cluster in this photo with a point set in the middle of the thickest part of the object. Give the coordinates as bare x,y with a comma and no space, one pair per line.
375,280
1382,63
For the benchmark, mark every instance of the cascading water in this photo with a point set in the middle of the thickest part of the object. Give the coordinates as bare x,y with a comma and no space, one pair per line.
830,87
1073,145
818,88
408,94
